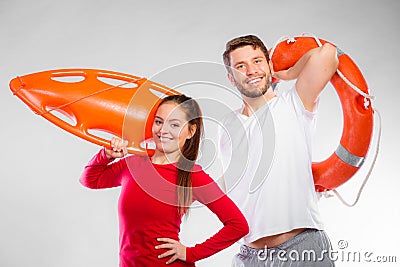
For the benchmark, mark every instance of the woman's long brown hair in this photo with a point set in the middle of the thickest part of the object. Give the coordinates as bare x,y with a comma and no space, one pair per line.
190,149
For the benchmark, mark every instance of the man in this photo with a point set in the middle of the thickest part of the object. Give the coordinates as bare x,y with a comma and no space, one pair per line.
265,148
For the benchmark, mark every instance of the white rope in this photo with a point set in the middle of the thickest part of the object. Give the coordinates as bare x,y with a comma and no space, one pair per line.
370,169
289,39
283,38
314,36
358,90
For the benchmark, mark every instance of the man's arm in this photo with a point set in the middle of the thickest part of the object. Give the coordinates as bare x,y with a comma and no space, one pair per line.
313,71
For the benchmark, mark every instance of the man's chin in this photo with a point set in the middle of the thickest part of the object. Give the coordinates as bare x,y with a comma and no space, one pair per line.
254,93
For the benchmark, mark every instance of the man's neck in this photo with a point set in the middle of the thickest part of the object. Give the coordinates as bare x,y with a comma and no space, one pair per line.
251,105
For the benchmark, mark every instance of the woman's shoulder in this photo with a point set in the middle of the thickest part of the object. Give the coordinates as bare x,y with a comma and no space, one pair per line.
197,168
135,157
200,177
205,189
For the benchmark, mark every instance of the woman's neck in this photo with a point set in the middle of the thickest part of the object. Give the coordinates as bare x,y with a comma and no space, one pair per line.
162,158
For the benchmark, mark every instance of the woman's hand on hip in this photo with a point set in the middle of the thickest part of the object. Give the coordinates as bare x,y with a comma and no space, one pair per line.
175,249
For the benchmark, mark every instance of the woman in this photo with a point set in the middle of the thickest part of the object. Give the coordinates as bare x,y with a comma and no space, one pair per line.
158,190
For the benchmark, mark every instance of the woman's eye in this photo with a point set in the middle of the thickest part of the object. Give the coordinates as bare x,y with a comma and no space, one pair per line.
175,125
158,122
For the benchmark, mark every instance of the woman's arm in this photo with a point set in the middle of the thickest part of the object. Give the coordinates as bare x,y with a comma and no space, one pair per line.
235,226
234,223
99,173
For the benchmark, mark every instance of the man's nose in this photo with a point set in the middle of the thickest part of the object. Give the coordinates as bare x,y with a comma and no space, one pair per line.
251,70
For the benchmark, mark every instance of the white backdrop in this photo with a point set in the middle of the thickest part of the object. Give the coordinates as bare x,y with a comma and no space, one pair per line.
48,219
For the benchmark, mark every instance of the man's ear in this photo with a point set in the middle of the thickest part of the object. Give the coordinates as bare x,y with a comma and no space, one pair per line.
271,67
231,79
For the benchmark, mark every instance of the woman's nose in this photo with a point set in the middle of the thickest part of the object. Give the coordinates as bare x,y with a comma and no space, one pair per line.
164,129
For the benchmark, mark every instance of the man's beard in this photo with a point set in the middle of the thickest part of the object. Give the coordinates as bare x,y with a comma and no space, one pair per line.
256,92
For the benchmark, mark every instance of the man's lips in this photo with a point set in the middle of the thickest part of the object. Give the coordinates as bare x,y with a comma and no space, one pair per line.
255,80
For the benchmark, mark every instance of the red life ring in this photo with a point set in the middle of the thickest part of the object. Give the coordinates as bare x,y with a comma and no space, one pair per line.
357,114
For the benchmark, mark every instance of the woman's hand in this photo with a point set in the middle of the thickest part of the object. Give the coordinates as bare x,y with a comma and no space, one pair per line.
176,249
118,148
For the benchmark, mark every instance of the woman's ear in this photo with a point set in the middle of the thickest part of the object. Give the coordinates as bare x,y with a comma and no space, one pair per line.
192,130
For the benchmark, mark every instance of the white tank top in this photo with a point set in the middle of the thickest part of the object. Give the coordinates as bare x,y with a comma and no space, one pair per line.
267,166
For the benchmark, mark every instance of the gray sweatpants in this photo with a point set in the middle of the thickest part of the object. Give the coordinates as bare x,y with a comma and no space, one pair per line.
309,248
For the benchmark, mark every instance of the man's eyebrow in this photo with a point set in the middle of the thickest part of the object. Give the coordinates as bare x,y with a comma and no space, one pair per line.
238,63
242,61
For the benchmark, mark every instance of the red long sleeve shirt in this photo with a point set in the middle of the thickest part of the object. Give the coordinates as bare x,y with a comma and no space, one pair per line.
148,209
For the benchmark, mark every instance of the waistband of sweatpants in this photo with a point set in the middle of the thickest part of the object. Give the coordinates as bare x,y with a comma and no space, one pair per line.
246,250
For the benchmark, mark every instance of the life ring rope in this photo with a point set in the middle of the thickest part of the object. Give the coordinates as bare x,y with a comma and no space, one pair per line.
338,195
355,88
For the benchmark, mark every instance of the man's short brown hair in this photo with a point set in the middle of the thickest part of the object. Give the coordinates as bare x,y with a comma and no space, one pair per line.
241,41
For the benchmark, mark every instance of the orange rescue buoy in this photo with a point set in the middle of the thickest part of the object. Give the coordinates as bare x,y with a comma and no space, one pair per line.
94,101
357,113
